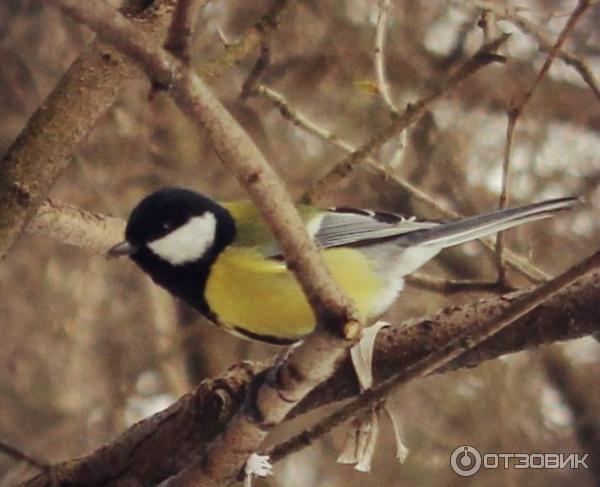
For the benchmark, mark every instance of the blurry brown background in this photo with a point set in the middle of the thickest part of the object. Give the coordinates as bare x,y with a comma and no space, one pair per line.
89,346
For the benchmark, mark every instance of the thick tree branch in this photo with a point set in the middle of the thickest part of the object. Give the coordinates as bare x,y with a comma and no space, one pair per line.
139,454
439,358
90,87
43,150
73,226
314,360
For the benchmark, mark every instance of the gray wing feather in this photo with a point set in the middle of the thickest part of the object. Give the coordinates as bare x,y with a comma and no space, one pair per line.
347,227
350,227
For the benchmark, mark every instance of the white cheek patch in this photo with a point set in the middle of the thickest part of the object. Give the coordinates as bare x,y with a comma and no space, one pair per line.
187,243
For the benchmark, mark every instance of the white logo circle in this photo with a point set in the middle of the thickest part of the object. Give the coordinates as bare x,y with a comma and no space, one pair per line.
465,460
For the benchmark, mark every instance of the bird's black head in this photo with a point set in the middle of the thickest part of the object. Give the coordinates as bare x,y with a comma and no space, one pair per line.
175,235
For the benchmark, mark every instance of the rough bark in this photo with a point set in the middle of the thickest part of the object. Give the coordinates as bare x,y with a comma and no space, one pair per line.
157,447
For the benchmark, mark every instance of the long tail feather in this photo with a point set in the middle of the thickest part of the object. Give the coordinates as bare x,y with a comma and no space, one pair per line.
461,231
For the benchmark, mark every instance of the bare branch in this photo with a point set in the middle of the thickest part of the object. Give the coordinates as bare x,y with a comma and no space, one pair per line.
267,27
482,58
138,454
42,151
262,62
21,456
515,112
439,358
515,261
314,360
181,30
505,12
379,55
503,199
71,225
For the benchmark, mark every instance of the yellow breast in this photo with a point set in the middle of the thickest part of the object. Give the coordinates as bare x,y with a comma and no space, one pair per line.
263,297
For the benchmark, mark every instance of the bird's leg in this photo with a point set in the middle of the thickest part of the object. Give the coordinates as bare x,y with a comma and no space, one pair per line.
257,466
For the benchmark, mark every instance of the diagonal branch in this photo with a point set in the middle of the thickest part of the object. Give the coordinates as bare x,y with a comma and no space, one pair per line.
314,360
439,358
21,456
515,112
181,30
379,56
486,55
44,148
514,260
138,455
505,12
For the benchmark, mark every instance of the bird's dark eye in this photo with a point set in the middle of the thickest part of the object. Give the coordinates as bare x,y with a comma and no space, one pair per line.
167,226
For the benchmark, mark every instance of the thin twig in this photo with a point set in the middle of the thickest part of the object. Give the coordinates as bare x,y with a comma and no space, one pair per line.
451,286
262,63
503,199
413,112
511,14
437,359
21,456
266,26
379,55
181,30
247,44
515,112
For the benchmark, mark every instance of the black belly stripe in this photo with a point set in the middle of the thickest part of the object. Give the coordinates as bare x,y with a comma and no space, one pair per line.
273,340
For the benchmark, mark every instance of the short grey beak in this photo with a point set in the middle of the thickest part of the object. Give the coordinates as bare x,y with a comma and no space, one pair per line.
121,249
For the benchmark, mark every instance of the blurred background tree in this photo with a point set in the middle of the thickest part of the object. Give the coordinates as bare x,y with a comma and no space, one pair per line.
89,347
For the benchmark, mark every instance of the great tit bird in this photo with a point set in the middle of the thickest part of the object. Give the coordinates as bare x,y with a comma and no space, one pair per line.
223,261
